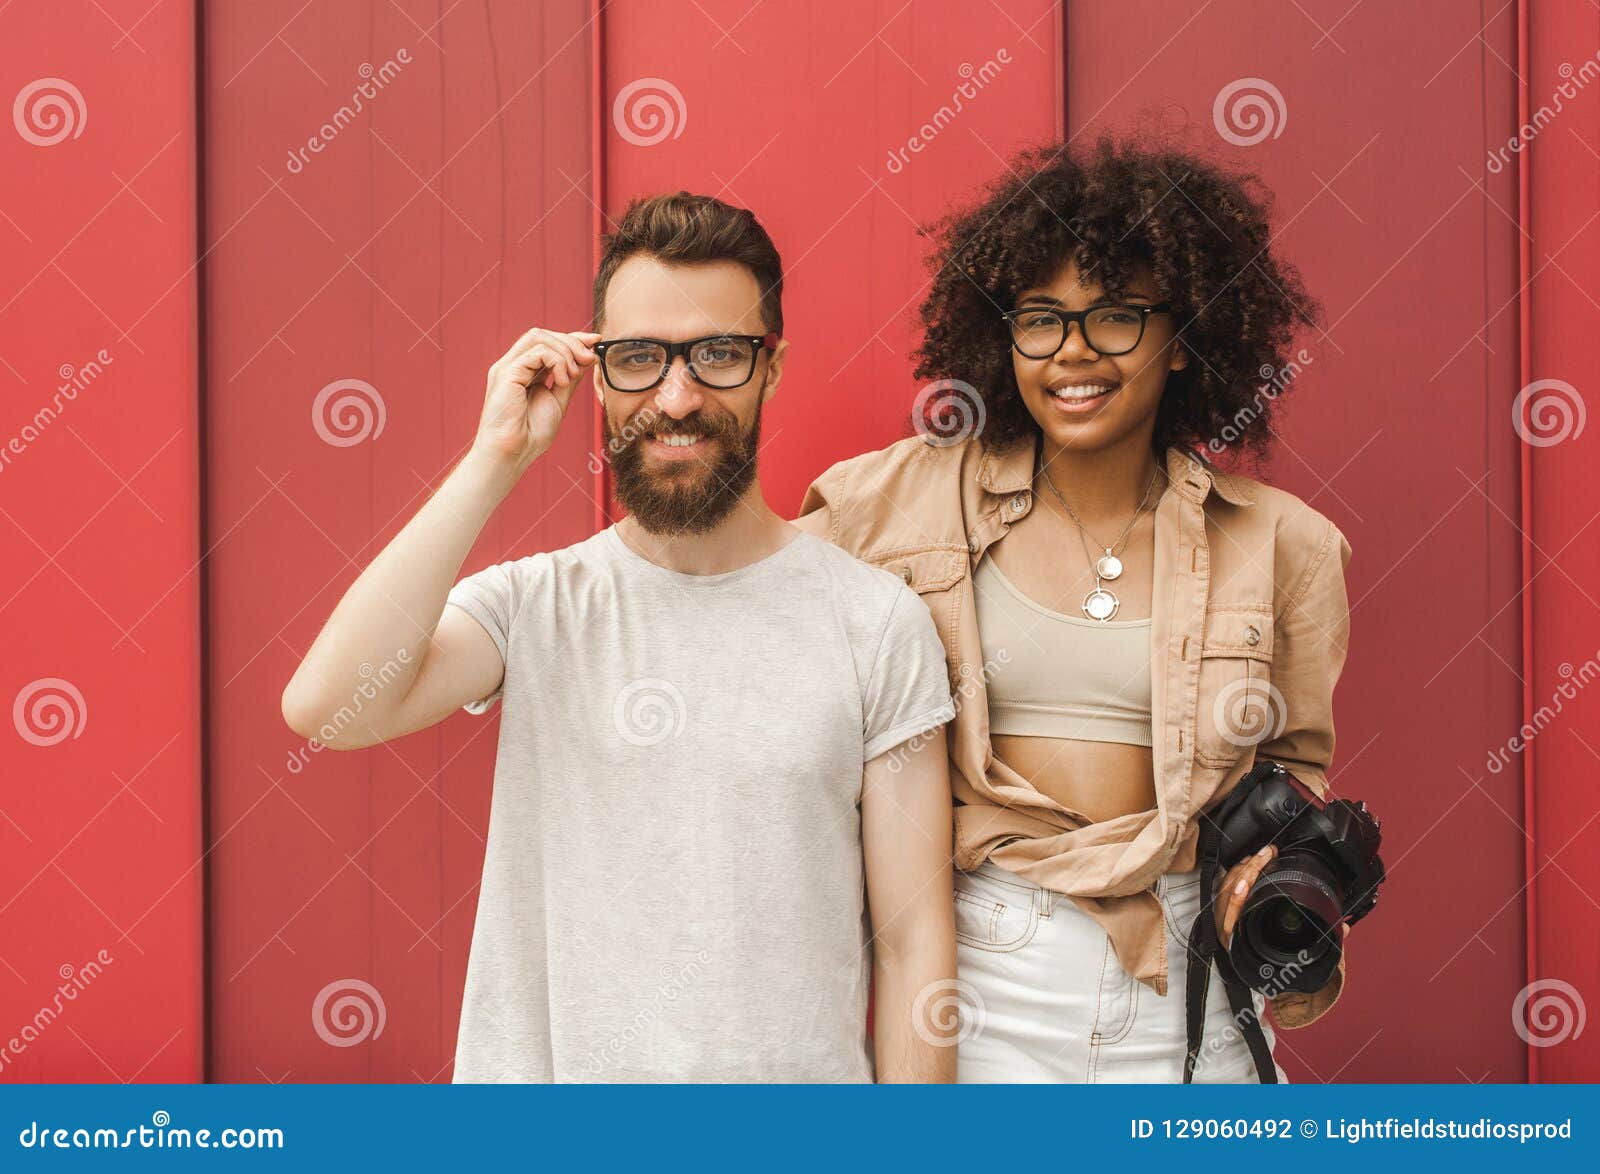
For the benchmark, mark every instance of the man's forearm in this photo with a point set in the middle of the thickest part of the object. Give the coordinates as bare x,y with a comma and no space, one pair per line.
390,611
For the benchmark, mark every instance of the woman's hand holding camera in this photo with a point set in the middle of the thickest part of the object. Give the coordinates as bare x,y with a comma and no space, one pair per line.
1235,890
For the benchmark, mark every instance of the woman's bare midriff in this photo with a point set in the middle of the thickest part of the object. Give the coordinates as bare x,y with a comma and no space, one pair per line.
1099,780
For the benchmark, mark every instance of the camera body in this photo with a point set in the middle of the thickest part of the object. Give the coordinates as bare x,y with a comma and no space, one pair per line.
1327,872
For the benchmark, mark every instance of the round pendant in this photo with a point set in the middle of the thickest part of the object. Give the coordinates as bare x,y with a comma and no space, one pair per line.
1109,566
1100,604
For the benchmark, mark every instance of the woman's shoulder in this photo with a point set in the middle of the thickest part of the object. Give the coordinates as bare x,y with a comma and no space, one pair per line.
911,458
1301,535
904,495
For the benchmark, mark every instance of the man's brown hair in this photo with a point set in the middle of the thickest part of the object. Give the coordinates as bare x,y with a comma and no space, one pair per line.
685,229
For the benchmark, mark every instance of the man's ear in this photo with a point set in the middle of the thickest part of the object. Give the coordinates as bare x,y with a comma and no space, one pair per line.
774,370
599,386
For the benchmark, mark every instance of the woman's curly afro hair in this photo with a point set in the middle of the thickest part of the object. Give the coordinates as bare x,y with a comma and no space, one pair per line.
1200,229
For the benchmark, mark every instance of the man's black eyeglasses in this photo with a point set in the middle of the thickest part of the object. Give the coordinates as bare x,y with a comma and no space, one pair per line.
720,361
1039,331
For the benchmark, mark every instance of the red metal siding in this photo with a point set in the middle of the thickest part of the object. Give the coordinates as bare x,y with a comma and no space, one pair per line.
803,113
99,544
414,240
1561,255
408,252
1398,430
1376,436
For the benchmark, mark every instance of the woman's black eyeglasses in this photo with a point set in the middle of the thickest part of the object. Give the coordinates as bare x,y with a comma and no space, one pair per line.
721,361
1039,332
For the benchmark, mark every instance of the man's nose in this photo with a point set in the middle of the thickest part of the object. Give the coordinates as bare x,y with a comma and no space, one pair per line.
679,394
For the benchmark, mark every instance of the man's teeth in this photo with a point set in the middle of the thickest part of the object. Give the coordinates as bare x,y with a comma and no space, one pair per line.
1079,393
679,439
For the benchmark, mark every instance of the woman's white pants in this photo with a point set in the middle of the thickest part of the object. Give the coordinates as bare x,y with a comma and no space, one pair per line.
1044,1000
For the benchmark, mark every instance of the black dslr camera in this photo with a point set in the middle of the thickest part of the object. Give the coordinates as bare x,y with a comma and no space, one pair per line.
1327,871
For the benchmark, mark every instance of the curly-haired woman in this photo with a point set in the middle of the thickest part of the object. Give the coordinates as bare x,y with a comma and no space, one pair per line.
1128,627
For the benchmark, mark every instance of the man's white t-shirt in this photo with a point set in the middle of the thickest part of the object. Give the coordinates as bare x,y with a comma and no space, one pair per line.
673,883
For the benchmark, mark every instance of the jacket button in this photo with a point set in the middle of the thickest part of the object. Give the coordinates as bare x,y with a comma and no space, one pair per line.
905,573
1019,503
1252,636
972,544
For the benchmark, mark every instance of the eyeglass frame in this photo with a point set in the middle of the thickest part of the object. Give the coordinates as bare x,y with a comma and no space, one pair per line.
759,342
1081,317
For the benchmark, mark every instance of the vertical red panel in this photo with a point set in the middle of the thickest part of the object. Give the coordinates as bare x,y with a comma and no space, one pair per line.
1379,121
381,257
804,114
1562,372
99,542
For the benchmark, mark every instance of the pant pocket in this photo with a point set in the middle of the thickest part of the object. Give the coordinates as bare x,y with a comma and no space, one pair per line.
1116,1012
1179,894
993,914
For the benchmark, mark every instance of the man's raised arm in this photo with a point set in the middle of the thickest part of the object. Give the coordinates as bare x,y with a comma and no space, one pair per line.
394,613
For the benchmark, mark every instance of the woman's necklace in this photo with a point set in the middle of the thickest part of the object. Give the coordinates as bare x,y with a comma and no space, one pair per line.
1102,603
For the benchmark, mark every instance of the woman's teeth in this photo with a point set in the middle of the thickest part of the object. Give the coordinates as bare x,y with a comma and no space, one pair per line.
1081,394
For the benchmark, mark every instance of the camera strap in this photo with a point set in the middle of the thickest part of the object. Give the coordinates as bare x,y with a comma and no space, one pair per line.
1205,947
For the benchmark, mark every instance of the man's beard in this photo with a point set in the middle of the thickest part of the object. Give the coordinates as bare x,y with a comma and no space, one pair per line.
684,497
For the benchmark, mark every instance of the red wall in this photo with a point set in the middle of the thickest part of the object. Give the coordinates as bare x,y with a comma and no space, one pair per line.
1398,431
795,113
459,207
100,789
408,254
1561,609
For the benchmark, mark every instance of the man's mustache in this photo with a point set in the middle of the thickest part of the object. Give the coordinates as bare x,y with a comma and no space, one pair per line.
647,424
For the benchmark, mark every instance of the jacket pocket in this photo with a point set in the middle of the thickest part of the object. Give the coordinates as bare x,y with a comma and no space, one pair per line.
1237,706
926,569
936,574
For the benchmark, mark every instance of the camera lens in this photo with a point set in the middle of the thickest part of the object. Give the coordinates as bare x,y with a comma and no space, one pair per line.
1284,927
1286,938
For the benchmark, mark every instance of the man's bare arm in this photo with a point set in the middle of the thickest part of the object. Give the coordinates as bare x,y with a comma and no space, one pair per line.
434,660
906,833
